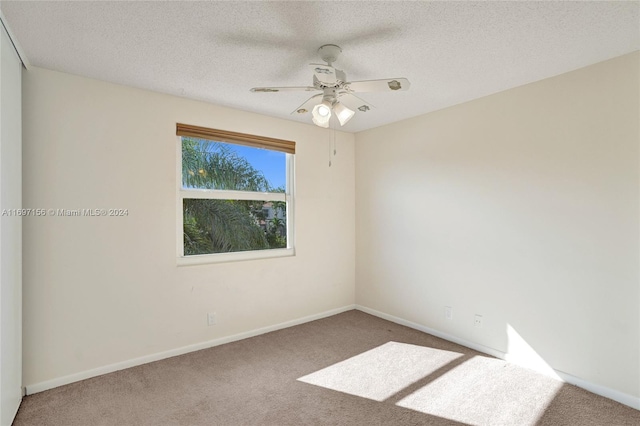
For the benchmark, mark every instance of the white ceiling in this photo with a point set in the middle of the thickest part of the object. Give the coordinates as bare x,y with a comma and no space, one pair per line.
451,52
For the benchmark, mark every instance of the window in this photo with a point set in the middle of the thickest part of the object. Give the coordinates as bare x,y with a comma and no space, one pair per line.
234,196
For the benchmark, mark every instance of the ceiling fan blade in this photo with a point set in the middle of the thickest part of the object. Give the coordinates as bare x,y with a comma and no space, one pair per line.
386,85
308,104
353,102
370,36
324,73
283,89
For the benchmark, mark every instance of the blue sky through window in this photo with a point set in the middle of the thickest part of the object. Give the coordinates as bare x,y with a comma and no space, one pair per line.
272,164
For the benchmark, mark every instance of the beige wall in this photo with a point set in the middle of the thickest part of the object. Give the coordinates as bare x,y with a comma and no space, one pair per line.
522,207
99,291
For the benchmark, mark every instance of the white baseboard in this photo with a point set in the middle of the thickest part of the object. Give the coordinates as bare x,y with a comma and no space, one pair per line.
433,332
613,394
621,397
76,377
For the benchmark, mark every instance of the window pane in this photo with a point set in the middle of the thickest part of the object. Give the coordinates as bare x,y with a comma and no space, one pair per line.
219,165
222,226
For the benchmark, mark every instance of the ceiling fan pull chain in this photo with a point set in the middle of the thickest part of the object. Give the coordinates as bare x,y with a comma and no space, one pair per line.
334,142
334,131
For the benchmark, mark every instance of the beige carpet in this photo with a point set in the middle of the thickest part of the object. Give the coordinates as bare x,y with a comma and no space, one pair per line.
349,369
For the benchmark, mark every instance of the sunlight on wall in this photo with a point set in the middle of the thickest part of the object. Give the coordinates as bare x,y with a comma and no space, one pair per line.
381,372
521,353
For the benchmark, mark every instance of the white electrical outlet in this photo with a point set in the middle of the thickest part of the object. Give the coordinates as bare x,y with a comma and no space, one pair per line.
448,312
477,321
211,318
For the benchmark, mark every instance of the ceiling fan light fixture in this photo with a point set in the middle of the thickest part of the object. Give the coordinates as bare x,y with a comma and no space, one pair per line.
319,123
322,114
343,113
323,110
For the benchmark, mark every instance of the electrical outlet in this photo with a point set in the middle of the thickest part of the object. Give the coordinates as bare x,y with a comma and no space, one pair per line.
211,318
477,321
448,312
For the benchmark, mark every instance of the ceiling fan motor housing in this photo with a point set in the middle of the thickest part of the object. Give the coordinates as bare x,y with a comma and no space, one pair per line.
330,95
340,80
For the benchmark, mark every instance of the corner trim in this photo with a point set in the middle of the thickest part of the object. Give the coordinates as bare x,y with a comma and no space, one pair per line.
87,374
14,41
621,397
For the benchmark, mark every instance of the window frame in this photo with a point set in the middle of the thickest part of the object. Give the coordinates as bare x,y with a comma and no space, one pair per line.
219,194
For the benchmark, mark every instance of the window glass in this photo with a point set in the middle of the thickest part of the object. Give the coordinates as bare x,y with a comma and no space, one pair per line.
219,212
221,226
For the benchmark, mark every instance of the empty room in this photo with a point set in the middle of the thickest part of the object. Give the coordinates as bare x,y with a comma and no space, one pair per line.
319,213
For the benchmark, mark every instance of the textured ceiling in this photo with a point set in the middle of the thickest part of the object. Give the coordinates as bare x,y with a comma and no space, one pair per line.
451,52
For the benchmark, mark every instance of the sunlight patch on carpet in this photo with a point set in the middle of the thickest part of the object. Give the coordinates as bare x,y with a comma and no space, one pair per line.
486,391
383,371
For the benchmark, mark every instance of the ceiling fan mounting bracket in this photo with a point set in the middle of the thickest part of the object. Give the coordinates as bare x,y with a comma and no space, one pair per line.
329,53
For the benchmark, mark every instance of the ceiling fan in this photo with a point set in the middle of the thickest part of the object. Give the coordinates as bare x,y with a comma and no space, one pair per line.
337,93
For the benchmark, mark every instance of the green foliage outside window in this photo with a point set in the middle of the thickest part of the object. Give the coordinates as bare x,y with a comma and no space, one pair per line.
220,226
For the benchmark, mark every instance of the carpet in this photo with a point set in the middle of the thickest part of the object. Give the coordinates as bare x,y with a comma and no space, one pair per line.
348,369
